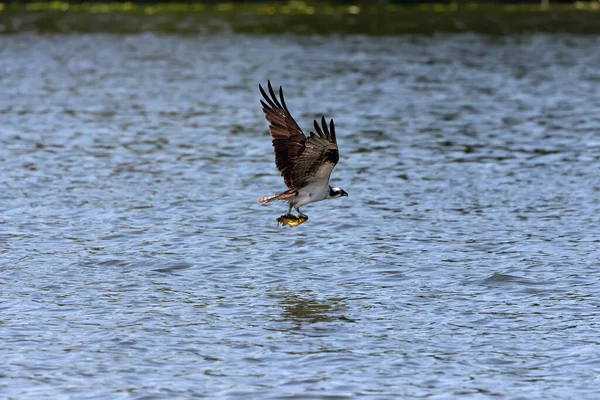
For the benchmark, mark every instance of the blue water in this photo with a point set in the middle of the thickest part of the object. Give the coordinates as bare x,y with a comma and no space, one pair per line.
135,262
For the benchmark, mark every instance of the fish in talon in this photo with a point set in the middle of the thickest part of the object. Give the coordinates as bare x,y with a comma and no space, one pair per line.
292,220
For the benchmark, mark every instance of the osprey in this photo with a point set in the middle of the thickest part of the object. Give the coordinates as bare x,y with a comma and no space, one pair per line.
304,162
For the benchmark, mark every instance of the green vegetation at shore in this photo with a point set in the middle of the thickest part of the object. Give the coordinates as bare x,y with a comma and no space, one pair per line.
299,17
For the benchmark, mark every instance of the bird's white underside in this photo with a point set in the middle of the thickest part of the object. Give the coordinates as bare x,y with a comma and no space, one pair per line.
316,190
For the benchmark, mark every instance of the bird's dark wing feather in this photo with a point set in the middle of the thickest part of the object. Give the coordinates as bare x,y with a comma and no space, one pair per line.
288,139
299,159
318,159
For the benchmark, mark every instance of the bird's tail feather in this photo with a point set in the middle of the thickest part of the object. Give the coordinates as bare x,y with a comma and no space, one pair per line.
279,196
267,199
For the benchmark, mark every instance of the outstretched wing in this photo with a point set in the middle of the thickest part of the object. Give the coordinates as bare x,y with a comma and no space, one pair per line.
299,159
289,141
319,157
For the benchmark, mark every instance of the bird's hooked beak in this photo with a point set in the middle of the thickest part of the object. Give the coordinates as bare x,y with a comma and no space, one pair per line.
344,194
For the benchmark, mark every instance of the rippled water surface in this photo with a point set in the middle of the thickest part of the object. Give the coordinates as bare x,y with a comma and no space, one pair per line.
136,263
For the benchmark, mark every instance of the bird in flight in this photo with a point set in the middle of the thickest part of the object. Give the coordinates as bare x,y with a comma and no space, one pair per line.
305,163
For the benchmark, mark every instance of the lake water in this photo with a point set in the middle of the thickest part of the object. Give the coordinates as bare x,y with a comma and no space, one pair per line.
135,262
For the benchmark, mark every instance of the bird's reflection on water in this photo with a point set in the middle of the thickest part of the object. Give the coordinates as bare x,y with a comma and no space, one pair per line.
306,308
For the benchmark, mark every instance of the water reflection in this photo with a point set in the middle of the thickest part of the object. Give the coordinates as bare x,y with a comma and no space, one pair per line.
306,308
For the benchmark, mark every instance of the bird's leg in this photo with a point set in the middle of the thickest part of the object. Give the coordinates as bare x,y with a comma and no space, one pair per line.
289,213
301,214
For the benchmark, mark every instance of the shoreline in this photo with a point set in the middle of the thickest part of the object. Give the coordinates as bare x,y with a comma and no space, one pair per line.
300,18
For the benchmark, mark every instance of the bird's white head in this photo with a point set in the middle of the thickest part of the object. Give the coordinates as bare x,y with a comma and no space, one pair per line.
335,192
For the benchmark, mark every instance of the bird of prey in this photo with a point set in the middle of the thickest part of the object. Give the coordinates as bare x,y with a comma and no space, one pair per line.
304,162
